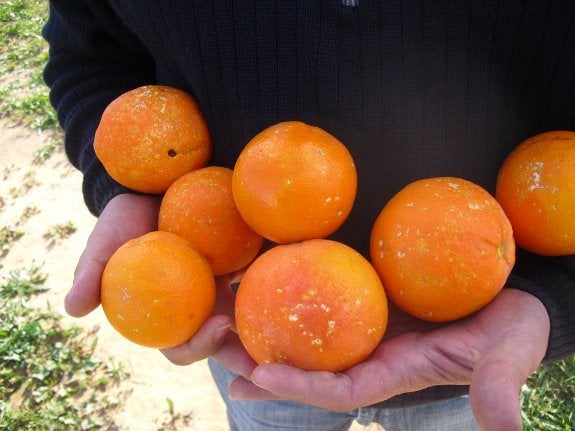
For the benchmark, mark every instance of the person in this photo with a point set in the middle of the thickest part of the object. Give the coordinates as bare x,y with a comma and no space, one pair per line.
414,89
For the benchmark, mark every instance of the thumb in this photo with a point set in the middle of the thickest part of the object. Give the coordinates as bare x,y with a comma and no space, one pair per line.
84,296
500,372
494,394
126,216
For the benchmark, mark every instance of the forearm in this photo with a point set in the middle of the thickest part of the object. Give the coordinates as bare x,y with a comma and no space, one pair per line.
86,70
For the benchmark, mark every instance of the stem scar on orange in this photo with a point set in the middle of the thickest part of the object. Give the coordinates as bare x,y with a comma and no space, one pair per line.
443,248
199,207
536,188
317,305
150,136
157,290
293,182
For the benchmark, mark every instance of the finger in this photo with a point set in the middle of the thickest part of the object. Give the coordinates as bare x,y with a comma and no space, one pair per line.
496,384
226,297
126,216
84,296
234,357
278,381
399,365
494,394
502,370
203,344
242,388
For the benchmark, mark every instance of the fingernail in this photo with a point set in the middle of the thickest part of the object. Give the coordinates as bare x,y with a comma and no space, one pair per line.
221,332
232,392
257,375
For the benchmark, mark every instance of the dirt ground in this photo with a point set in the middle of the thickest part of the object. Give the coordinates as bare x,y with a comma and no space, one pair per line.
54,189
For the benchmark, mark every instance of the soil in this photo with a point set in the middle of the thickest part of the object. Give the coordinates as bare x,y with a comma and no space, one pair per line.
53,189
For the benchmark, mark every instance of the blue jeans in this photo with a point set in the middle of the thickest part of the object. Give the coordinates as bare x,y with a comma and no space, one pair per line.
451,414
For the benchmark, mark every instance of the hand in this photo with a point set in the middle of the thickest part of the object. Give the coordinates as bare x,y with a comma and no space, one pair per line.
129,216
216,337
494,351
221,342
125,217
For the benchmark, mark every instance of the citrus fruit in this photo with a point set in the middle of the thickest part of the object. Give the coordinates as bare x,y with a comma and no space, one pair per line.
293,182
315,305
157,290
150,136
199,207
536,188
443,248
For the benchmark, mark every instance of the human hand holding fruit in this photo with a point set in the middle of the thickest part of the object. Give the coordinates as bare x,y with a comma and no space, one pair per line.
128,216
494,351
147,139
125,217
460,243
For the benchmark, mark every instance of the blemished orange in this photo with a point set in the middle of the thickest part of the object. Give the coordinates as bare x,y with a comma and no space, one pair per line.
293,182
536,188
443,248
317,305
150,136
199,207
157,290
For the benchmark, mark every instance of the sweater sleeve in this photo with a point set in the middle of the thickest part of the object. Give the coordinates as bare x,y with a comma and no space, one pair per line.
93,58
552,281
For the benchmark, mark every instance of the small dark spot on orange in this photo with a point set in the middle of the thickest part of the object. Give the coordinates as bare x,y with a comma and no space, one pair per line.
172,153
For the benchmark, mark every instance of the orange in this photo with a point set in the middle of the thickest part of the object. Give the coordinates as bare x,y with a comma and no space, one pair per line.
150,136
199,206
157,290
443,248
536,188
316,305
294,182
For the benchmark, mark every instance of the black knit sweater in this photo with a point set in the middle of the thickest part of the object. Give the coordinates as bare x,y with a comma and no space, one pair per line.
413,88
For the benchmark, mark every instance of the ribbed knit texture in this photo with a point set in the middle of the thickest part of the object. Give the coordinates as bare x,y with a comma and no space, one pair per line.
413,88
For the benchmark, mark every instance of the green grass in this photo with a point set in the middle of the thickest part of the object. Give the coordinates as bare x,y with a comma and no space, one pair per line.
49,377
175,421
59,231
8,235
548,398
23,54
